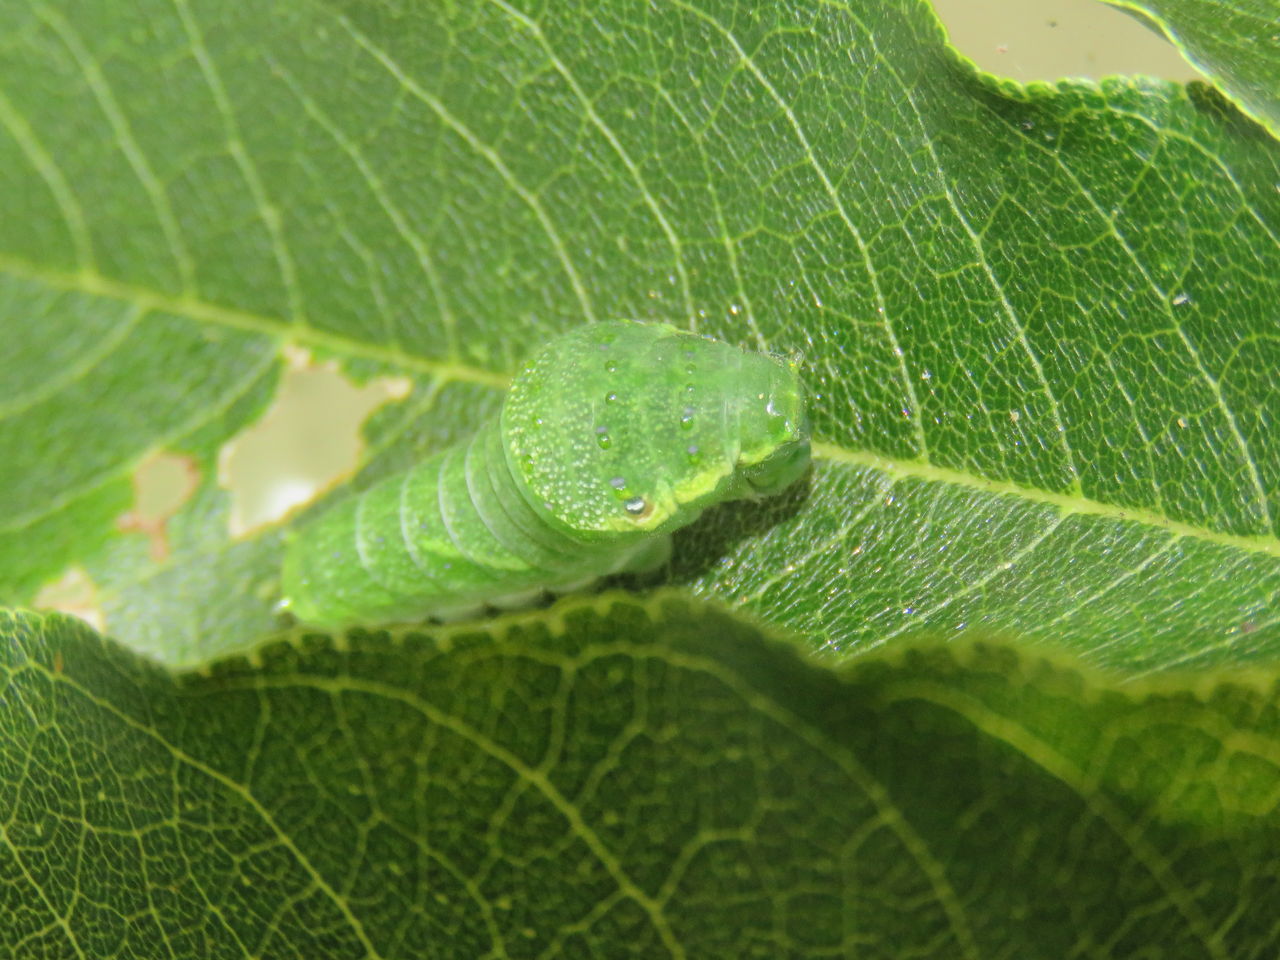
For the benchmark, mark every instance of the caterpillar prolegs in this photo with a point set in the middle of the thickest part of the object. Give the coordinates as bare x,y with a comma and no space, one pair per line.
611,437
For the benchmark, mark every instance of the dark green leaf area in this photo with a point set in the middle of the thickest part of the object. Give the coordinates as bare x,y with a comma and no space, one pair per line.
624,779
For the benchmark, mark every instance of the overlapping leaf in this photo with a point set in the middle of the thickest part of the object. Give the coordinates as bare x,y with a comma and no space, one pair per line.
622,780
1235,44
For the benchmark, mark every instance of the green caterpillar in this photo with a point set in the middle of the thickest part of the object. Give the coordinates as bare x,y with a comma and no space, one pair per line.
613,435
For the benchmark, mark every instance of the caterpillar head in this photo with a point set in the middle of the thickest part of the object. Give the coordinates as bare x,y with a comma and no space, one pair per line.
625,428
773,425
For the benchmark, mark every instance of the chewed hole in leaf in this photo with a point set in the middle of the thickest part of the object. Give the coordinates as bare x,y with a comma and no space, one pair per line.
1045,41
74,593
308,439
161,485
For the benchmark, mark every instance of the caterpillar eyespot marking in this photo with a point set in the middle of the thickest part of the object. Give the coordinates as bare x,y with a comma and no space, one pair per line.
612,436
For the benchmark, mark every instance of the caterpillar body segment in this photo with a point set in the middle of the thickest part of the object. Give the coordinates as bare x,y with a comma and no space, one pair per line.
613,436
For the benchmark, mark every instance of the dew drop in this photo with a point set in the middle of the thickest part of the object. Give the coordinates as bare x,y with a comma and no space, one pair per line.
688,388
686,418
617,482
692,450
635,506
611,365
611,397
602,437
690,369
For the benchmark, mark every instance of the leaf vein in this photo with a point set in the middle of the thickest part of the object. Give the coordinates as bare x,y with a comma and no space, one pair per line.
486,152
267,212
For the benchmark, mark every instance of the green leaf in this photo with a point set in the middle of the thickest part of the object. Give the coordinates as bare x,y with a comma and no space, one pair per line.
1236,45
1038,322
623,780
91,385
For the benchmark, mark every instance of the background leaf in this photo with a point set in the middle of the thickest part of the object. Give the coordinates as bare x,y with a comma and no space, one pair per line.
625,779
1236,45
1038,323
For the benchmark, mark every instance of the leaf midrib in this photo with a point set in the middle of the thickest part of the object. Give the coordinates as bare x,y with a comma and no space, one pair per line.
145,299
1065,503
